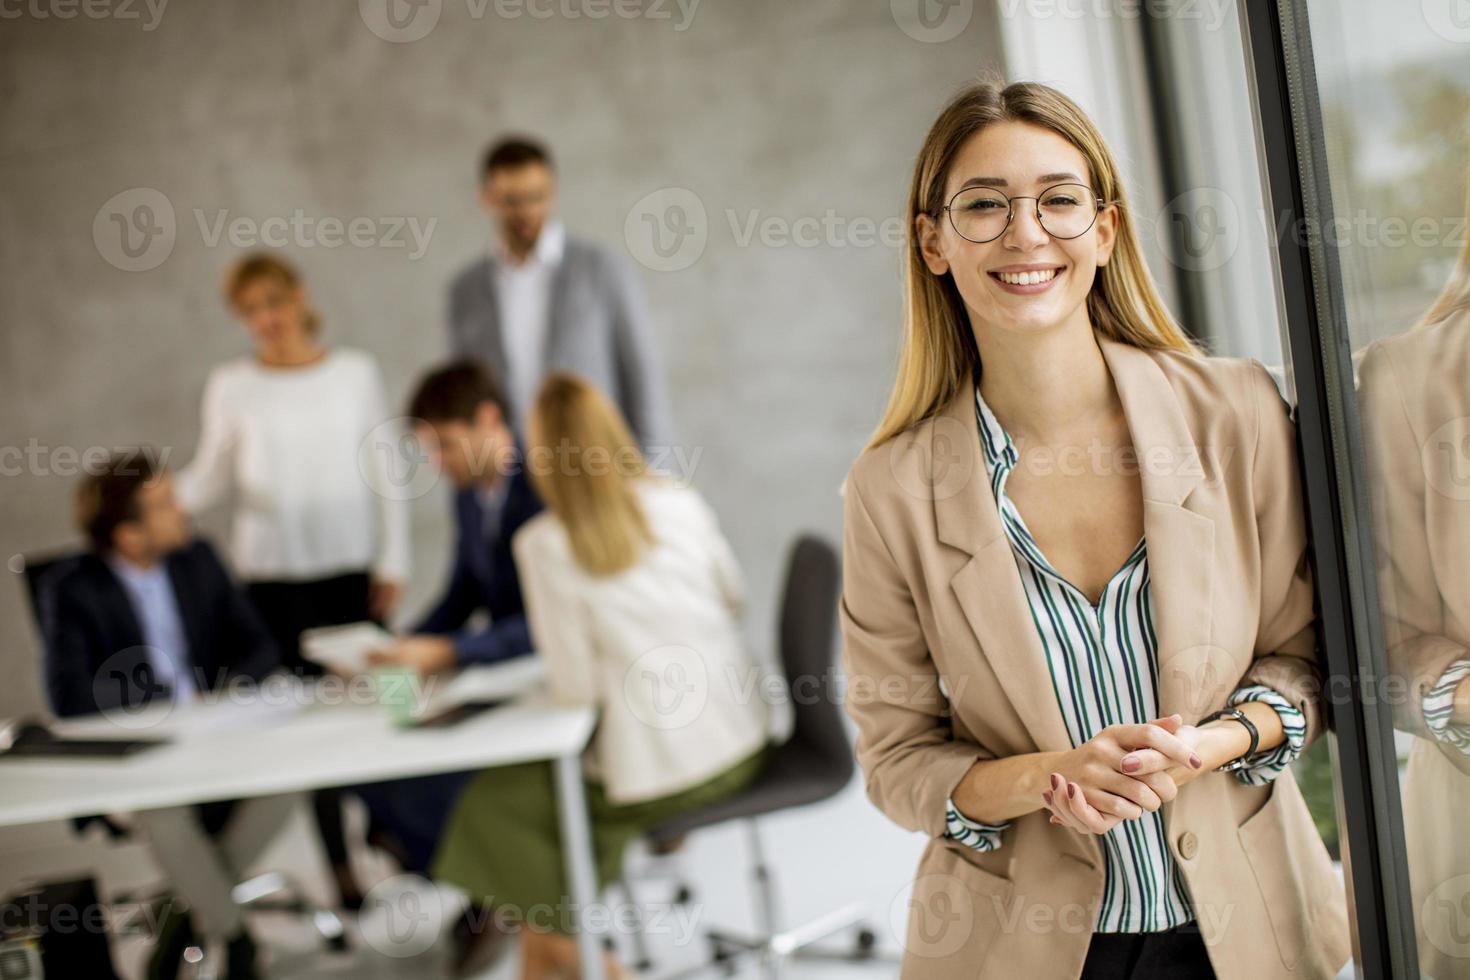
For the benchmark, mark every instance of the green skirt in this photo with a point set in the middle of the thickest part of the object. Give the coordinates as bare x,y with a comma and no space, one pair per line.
502,843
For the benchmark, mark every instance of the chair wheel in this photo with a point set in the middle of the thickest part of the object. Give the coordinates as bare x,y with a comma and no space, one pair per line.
339,944
867,941
683,896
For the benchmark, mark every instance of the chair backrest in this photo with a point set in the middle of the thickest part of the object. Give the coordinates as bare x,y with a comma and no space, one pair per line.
36,569
808,642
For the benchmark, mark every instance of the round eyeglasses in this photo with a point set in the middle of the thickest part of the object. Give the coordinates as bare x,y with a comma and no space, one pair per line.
982,214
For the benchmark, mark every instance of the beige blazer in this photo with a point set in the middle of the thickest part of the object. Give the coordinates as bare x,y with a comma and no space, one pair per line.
1414,392
945,668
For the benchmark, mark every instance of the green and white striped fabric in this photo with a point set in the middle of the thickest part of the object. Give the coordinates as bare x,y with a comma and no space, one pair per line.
1103,664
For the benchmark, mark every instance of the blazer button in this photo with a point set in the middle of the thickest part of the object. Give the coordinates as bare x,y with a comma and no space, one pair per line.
1188,845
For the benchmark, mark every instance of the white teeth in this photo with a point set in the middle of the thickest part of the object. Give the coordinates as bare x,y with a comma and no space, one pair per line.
1027,278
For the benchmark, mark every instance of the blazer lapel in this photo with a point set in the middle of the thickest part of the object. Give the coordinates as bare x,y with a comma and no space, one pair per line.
988,587
1180,542
1180,545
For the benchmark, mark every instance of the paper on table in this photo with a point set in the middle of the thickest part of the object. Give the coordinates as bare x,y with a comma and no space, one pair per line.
345,648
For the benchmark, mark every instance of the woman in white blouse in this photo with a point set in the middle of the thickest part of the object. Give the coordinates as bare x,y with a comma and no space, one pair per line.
634,597
285,435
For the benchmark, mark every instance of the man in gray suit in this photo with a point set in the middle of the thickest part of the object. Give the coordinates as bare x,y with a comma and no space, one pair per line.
543,301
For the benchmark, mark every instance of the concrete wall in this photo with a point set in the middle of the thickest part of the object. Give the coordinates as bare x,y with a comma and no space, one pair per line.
780,346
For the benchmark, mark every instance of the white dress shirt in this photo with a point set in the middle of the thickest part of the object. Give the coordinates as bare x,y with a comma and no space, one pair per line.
523,293
313,492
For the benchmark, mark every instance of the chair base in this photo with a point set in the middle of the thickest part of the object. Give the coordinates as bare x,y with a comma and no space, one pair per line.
728,950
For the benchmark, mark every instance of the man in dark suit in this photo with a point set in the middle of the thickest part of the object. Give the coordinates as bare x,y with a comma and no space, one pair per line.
149,614
459,416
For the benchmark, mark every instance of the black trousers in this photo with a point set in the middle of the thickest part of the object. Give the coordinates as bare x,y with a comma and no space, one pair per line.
288,608
1175,954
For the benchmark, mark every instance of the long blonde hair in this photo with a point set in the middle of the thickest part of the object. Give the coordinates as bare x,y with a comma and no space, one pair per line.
586,465
939,355
1455,296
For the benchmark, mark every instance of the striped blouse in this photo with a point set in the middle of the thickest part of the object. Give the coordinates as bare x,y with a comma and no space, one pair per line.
1103,665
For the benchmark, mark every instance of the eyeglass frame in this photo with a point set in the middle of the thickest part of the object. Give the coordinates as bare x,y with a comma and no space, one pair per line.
1011,210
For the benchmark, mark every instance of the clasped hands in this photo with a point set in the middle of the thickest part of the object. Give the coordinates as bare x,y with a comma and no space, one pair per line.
1121,773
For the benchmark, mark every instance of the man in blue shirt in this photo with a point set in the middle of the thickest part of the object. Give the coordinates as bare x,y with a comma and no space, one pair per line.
149,613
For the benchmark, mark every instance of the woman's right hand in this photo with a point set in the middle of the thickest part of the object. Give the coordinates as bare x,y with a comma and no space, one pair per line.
1091,794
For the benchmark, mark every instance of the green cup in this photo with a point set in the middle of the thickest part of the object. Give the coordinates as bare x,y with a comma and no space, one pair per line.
397,687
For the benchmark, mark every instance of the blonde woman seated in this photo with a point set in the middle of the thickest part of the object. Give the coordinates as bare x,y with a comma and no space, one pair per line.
633,597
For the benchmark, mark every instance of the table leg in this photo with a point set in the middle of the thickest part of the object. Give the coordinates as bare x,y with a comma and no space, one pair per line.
576,841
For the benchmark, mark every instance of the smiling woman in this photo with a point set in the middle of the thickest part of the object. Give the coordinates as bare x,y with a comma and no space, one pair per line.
1129,647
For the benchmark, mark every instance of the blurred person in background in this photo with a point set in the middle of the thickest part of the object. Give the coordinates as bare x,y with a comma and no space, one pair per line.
459,419
542,300
626,576
151,613
316,535
460,424
1414,390
1124,651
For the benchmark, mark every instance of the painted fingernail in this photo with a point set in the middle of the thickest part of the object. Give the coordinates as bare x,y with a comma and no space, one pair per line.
1194,761
1130,763
1072,791
1055,779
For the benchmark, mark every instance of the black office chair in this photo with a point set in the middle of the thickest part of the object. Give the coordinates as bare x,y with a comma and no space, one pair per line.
814,764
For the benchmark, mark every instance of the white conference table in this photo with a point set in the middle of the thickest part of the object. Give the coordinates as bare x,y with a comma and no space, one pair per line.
230,751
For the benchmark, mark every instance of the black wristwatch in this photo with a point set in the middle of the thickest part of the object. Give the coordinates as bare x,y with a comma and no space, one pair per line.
1238,763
